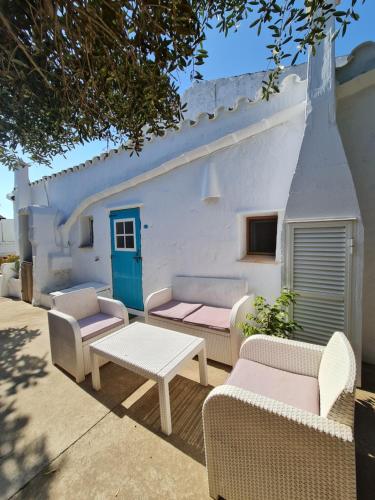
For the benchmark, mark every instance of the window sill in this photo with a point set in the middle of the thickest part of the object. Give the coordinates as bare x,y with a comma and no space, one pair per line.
259,259
85,247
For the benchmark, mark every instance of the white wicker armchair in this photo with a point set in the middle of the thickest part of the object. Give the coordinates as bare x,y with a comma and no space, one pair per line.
262,448
77,319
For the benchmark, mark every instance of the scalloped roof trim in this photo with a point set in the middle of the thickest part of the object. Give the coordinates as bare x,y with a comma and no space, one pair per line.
219,112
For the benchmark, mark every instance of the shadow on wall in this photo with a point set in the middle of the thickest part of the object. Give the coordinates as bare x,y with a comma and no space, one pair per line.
19,462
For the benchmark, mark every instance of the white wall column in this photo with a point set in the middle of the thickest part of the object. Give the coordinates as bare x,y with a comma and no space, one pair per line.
322,186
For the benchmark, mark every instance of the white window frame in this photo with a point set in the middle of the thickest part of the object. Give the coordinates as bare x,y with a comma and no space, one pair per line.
86,237
242,217
134,249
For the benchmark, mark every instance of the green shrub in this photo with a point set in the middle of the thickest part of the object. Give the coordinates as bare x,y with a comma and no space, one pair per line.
272,319
17,267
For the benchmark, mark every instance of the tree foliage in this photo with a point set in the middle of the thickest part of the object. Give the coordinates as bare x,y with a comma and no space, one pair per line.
78,70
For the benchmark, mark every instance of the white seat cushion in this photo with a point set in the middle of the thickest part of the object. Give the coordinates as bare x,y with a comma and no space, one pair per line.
217,318
96,324
290,388
175,309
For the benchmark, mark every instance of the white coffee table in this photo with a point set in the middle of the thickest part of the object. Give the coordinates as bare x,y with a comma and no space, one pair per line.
155,353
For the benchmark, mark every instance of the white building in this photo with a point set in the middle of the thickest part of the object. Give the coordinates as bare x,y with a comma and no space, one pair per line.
277,192
7,237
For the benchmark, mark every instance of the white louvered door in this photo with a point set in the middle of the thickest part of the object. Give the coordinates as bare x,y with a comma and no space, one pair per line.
319,256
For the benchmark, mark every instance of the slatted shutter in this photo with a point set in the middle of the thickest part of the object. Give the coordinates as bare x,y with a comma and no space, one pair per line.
319,270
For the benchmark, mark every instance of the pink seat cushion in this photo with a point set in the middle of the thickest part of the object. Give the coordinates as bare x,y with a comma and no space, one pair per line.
211,317
96,324
296,390
175,309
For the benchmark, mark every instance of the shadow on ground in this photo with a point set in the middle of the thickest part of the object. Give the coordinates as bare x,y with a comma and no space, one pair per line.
18,462
19,370
186,398
365,435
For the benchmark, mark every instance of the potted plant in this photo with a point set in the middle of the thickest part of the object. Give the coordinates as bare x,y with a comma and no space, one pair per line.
16,268
272,319
8,259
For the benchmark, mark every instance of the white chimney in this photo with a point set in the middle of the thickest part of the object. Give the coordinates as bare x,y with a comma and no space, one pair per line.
22,187
322,185
22,199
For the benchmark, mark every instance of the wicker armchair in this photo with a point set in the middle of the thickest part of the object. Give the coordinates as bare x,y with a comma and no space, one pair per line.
76,320
291,438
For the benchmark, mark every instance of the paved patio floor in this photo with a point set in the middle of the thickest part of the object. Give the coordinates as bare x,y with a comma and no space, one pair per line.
62,440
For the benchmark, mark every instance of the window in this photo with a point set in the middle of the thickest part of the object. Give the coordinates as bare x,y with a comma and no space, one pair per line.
91,231
124,234
86,231
261,235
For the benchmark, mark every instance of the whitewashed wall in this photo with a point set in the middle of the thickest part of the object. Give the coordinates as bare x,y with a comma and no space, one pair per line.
186,235
51,262
119,167
271,154
7,237
322,186
191,236
356,122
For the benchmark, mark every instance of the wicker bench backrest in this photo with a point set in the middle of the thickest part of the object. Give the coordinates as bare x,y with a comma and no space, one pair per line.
220,292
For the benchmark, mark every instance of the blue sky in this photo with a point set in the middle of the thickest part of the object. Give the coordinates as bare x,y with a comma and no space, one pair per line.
241,52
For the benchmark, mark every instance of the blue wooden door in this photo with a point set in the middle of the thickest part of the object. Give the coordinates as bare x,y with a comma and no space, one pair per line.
127,257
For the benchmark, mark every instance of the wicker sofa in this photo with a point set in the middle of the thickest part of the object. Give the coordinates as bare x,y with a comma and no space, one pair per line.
281,428
76,320
211,308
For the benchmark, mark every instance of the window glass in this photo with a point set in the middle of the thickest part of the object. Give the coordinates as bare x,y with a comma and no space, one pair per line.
120,241
129,227
129,242
261,236
91,237
119,228
86,231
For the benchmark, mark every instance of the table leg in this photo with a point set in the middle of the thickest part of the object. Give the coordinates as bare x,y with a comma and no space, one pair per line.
95,374
165,408
203,366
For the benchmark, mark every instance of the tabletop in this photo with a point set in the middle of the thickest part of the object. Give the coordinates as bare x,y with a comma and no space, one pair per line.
147,346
